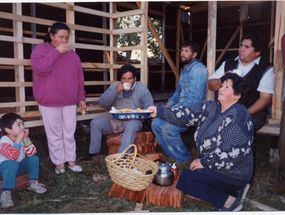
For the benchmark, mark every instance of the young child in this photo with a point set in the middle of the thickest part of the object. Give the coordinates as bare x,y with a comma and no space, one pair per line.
17,157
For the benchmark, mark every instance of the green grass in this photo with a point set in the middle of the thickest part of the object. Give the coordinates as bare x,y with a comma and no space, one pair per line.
78,193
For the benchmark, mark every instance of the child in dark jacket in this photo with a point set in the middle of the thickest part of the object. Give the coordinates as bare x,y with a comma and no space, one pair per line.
17,157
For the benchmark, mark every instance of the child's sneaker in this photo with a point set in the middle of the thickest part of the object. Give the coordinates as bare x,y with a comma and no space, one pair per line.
6,199
37,187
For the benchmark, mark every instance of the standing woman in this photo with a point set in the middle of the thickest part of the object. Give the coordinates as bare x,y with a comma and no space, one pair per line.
58,86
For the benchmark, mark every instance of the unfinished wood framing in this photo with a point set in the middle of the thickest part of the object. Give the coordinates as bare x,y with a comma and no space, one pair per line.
19,64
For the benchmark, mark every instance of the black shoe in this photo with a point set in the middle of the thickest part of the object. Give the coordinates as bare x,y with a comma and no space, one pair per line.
90,157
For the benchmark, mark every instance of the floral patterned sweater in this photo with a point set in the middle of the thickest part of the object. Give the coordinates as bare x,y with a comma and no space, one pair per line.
223,140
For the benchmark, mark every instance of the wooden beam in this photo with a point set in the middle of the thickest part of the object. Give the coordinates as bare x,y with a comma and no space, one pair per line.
204,49
211,51
220,4
144,42
19,54
278,63
132,6
229,43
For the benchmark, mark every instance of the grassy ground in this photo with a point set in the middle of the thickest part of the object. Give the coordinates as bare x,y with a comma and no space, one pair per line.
78,192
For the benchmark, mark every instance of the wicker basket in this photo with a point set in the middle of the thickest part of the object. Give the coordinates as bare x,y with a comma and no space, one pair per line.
123,169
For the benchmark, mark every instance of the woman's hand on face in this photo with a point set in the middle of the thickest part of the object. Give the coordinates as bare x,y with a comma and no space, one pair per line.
63,48
196,164
153,109
82,105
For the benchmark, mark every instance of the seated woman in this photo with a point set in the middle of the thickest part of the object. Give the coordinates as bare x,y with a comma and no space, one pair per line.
223,137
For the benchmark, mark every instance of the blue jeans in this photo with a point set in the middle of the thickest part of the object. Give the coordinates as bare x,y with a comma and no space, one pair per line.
170,139
10,169
203,187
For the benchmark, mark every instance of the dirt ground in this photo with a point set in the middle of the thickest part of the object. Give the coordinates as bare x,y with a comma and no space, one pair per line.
79,193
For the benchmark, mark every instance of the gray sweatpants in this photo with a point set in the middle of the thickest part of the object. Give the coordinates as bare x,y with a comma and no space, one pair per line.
102,124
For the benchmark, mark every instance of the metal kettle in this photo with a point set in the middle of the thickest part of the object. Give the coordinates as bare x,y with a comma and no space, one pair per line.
164,176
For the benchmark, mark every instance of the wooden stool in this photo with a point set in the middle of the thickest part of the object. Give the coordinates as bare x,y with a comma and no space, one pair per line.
21,181
167,196
144,142
123,193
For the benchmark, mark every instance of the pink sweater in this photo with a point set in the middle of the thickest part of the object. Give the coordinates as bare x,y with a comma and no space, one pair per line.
58,78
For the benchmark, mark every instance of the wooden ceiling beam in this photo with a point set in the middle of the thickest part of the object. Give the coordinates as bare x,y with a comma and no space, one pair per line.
221,4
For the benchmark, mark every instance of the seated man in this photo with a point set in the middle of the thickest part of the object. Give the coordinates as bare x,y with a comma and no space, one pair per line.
258,71
191,91
138,96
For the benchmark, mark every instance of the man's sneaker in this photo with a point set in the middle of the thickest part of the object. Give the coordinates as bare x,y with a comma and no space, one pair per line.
6,199
37,187
242,193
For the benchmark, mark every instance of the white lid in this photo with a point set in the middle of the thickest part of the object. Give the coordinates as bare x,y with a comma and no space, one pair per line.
173,166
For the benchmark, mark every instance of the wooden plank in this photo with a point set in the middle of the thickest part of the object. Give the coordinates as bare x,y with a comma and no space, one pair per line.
132,6
70,19
19,54
261,206
78,9
49,23
37,123
221,4
20,39
274,121
211,50
278,63
178,29
267,129
128,30
16,84
128,13
144,41
113,41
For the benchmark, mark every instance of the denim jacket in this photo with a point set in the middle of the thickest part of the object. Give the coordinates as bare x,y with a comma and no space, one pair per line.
191,86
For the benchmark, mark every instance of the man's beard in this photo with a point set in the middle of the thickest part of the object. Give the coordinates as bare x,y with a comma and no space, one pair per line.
186,61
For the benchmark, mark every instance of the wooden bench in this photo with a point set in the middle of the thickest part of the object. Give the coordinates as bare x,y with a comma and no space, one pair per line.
21,181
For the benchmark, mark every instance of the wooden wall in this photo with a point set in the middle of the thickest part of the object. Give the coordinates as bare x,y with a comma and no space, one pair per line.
19,35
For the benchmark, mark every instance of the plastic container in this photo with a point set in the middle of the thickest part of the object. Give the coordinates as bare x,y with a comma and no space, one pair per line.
174,170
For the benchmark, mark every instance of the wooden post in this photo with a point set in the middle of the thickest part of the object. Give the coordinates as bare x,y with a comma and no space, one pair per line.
271,31
211,53
278,64
144,63
70,19
113,42
19,54
178,29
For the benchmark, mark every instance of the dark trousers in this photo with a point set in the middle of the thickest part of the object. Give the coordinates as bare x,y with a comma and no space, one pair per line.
203,187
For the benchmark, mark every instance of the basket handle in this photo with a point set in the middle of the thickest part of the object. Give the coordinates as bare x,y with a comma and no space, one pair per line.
124,152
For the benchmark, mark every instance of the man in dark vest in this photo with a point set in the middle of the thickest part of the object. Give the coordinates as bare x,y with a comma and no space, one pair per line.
257,70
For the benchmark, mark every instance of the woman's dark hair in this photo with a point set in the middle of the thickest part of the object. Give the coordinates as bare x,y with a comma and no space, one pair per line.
7,121
128,68
193,46
257,39
54,29
240,86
